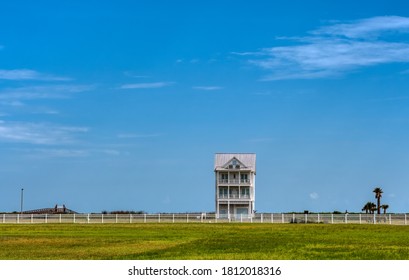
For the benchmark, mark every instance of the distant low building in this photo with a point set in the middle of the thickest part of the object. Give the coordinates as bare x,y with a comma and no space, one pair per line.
57,209
235,184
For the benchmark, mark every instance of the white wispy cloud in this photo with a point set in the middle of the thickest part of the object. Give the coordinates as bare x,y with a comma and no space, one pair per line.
369,27
334,49
314,196
208,88
57,153
146,85
135,75
11,103
38,133
28,74
69,151
42,92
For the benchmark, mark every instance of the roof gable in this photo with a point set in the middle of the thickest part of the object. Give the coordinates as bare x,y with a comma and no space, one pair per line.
234,163
245,161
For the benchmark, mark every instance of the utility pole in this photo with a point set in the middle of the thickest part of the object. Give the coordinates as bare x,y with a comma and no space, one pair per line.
22,201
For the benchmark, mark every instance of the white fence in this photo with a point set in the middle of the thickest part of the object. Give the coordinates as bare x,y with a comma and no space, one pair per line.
282,218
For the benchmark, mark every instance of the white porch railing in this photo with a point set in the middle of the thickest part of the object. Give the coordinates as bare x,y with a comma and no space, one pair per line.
234,181
234,196
393,219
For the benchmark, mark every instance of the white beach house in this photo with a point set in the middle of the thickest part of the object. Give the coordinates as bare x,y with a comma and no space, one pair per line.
235,176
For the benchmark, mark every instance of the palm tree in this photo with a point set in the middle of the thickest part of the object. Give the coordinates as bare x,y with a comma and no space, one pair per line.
367,207
373,207
378,194
384,207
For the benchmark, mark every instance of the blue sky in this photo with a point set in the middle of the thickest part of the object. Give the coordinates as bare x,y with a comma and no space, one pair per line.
121,105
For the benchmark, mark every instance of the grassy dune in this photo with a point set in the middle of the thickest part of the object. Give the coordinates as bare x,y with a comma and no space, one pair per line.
203,241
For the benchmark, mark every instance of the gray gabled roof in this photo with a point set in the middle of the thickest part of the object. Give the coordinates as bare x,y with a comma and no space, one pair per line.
248,159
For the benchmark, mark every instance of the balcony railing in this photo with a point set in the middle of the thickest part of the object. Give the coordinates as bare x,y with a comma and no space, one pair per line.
234,196
234,181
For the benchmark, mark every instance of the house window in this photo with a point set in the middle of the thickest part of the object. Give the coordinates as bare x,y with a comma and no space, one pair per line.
242,210
235,164
224,177
223,192
245,193
234,193
244,178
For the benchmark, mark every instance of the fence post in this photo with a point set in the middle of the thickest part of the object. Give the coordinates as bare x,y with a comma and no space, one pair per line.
116,218
173,218
130,218
282,218
187,217
346,218
74,219
31,218
4,218
332,218
159,218
374,218
261,219
390,219
46,218
102,218
88,218
251,218
272,218
405,220
318,217
60,219
241,218
18,218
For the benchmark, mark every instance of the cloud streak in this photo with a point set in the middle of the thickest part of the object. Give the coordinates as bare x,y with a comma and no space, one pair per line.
28,74
314,196
146,85
364,28
42,92
335,49
38,133
57,153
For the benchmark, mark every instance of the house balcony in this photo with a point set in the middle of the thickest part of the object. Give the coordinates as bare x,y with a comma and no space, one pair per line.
234,182
234,196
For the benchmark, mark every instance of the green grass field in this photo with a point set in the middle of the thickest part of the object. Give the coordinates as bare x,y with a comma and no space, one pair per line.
203,241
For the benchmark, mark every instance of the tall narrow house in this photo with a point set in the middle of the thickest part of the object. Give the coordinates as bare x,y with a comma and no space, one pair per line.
235,184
